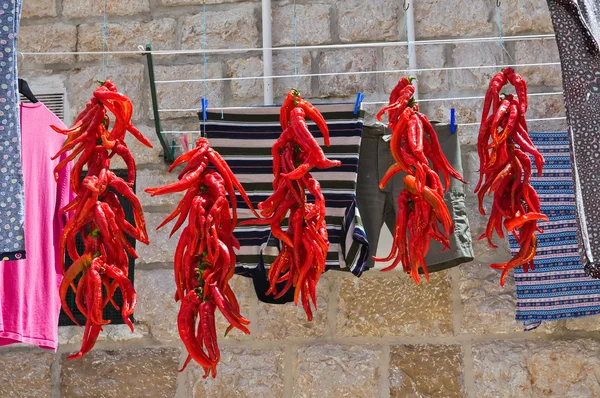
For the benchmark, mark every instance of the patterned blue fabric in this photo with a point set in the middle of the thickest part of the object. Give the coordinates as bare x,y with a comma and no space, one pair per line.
558,288
12,241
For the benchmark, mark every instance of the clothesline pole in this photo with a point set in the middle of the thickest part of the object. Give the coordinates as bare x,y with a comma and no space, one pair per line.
412,49
267,52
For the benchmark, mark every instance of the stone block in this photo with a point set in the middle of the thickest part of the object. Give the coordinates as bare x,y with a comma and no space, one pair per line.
48,38
331,370
244,291
156,177
116,333
342,61
538,51
94,8
38,9
394,58
156,306
434,18
249,89
476,54
137,372
243,372
466,111
199,2
283,64
158,310
128,78
26,374
187,95
126,36
233,28
426,371
144,155
360,21
393,305
526,16
559,368
487,307
371,113
281,322
431,56
477,221
161,248
588,324
545,106
312,27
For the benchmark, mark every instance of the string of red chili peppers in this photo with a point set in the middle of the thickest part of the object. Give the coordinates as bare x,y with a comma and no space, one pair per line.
305,243
416,149
505,170
98,215
204,259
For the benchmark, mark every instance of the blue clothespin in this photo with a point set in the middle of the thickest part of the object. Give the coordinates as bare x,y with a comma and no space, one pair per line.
204,107
359,99
452,121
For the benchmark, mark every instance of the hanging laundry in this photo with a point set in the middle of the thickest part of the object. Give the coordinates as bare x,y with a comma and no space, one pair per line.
379,206
558,287
29,300
576,24
12,236
244,138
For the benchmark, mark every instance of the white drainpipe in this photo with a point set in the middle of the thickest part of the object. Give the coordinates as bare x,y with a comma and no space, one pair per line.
267,52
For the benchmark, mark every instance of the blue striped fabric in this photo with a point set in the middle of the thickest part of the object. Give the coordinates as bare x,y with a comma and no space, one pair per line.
558,288
244,138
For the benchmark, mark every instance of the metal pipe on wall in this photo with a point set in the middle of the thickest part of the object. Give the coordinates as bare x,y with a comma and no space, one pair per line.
267,52
410,38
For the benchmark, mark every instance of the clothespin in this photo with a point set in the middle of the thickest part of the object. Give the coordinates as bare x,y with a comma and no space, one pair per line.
184,143
359,99
452,121
204,107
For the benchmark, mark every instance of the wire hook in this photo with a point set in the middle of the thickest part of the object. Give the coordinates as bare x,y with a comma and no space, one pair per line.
497,3
406,5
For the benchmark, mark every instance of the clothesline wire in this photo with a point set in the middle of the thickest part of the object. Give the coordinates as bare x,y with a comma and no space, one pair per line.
364,102
543,119
370,72
298,48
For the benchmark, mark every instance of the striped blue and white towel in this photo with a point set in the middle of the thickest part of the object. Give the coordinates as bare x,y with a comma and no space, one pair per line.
558,288
245,137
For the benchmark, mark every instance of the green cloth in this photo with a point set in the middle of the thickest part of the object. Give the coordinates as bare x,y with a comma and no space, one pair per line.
379,206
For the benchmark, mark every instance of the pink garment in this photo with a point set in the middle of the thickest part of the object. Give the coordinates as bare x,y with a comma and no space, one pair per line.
29,300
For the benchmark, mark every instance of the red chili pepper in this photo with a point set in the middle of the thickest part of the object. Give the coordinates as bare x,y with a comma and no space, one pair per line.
286,108
520,86
316,116
186,322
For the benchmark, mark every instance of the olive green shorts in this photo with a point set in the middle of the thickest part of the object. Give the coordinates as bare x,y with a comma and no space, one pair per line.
379,206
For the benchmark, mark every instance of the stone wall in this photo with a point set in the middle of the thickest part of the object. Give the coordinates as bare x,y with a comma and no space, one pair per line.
376,336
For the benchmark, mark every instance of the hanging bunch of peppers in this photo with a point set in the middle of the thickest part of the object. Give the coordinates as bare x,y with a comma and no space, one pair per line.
505,171
97,213
204,259
305,243
416,150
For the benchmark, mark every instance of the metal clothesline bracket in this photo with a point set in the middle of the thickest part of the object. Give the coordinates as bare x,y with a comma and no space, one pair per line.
167,154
